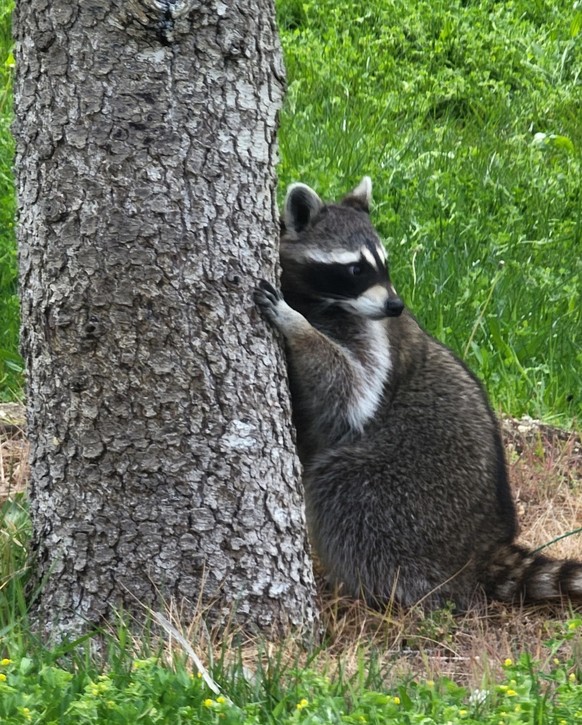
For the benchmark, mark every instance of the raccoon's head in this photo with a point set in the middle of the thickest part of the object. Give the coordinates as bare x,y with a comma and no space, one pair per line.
331,254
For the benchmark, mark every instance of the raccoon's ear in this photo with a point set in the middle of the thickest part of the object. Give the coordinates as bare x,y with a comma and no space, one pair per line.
361,196
301,206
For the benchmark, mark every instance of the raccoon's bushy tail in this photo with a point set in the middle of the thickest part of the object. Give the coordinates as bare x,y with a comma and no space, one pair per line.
515,573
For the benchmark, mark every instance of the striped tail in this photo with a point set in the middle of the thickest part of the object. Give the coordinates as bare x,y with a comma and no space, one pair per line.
515,573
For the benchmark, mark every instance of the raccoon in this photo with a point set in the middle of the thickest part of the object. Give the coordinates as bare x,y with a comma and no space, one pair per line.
406,489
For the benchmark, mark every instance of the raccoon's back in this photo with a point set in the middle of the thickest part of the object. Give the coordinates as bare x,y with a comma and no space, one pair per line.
437,412
420,501
442,405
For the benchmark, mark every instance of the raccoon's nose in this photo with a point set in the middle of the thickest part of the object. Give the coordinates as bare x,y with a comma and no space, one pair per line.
394,307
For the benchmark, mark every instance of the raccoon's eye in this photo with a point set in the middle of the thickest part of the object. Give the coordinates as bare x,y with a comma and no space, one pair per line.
355,269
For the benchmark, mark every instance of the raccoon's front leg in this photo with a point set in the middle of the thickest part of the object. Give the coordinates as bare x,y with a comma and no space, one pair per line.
327,381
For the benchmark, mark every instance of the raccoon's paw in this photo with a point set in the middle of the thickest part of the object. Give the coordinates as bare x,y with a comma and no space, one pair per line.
276,310
268,298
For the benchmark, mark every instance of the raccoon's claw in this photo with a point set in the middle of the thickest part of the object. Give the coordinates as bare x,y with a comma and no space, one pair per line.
267,298
266,290
276,310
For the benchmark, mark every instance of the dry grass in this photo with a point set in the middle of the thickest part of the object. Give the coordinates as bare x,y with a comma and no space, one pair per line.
470,649
546,472
13,451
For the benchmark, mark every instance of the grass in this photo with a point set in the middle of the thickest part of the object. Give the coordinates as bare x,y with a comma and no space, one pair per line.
10,361
466,115
153,690
504,665
372,668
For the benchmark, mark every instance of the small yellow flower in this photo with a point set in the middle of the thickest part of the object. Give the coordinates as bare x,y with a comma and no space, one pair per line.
462,713
199,675
208,702
508,662
302,704
556,661
430,683
139,664
26,713
396,700
511,693
572,677
221,699
5,662
2,677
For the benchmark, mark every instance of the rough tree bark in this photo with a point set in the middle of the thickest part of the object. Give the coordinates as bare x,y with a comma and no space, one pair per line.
158,413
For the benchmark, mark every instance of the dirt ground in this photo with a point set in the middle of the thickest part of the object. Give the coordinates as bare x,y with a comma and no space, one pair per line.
546,472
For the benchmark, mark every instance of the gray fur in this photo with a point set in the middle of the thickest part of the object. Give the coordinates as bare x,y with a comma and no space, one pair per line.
407,496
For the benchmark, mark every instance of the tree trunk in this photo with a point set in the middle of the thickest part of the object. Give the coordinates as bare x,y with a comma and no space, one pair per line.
162,458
